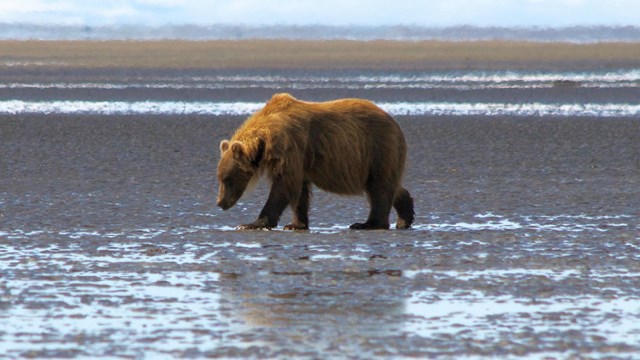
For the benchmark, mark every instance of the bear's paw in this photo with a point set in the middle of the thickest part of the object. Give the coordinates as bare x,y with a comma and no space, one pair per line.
369,226
259,224
296,227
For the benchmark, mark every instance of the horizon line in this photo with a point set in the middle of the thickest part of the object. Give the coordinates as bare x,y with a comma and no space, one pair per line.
402,32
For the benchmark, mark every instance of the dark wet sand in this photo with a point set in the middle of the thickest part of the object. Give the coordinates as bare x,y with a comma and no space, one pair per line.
69,170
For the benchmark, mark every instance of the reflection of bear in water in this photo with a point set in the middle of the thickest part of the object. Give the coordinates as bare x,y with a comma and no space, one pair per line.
345,146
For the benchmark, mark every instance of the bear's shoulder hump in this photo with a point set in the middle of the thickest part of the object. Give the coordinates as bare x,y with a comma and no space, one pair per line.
279,102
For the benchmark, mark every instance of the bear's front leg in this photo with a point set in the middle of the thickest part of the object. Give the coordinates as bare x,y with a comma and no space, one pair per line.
278,200
300,209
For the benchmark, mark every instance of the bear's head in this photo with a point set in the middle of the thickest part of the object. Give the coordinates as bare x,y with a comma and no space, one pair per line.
237,171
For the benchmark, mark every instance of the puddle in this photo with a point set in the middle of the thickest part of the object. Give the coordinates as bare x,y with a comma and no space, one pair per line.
590,320
569,223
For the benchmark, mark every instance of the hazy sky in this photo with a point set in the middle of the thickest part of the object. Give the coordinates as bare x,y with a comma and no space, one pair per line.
326,12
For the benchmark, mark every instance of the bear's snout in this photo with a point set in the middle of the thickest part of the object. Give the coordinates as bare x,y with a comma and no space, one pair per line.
222,200
224,204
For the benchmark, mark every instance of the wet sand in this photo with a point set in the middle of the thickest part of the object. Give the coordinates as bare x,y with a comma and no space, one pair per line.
525,242
70,169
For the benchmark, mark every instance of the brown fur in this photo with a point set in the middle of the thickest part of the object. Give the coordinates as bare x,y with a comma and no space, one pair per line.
347,146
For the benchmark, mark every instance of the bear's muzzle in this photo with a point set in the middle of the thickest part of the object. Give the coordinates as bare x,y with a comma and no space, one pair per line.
224,204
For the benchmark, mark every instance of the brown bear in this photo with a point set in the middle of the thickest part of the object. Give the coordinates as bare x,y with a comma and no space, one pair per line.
346,146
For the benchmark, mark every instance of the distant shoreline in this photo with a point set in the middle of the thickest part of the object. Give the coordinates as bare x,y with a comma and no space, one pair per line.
574,34
320,55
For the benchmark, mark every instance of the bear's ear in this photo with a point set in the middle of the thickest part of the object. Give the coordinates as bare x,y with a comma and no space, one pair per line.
239,151
224,145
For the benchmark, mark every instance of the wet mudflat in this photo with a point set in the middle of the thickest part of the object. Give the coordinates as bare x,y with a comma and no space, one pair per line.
526,242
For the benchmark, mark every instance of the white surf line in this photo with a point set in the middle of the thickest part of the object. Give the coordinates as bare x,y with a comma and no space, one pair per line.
246,108
463,80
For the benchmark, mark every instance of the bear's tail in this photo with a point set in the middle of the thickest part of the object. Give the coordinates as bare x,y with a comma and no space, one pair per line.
403,203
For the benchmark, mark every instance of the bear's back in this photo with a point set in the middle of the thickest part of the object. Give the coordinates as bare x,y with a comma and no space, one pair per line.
337,143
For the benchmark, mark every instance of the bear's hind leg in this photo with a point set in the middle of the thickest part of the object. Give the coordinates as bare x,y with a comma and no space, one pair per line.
403,203
300,209
379,214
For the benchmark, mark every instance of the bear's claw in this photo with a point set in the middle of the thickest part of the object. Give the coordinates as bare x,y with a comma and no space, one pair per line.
253,226
296,227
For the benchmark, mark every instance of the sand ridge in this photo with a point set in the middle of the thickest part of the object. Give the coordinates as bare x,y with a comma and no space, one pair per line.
334,54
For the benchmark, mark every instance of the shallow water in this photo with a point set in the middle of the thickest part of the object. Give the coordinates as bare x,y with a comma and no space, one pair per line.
488,289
